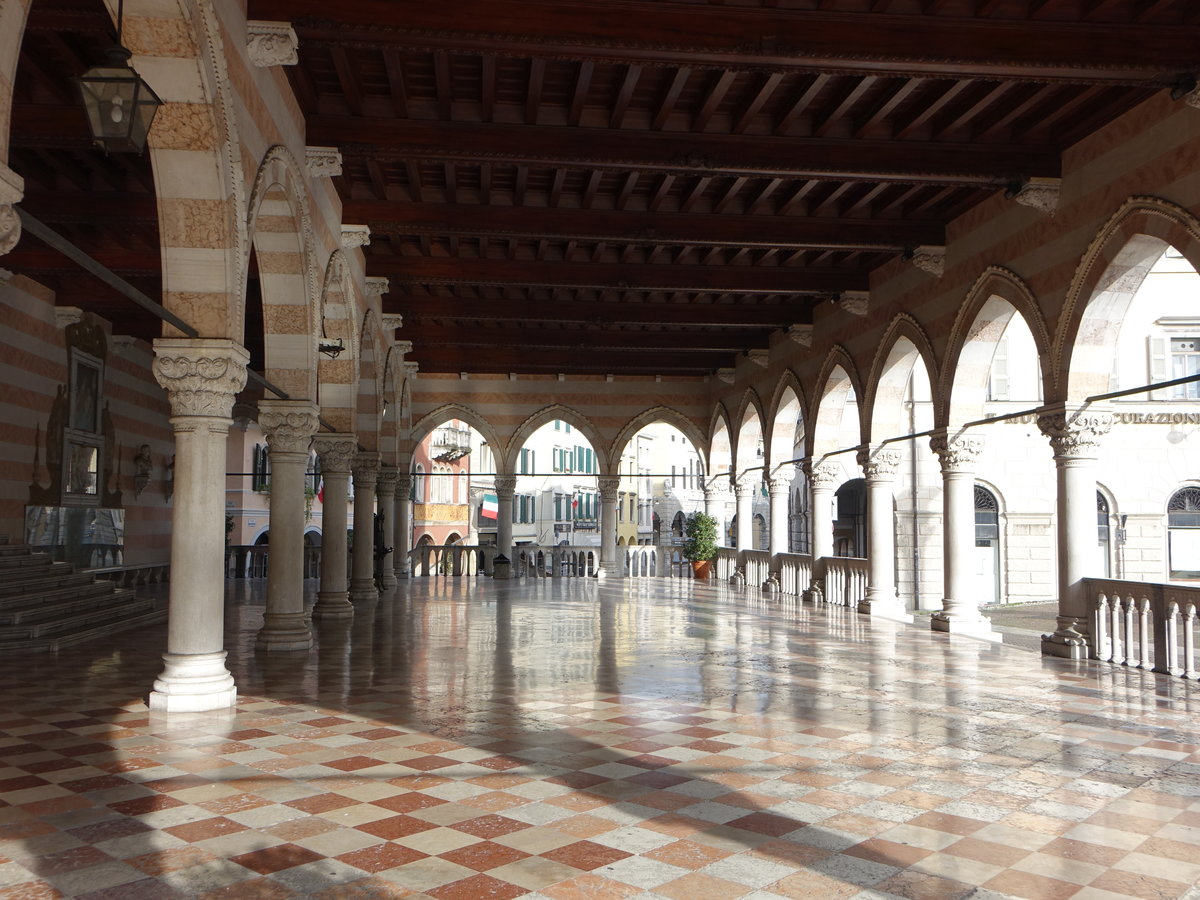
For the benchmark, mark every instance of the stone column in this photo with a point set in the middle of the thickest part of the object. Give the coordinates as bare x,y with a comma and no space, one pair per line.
879,467
337,453
610,566
716,496
822,478
289,426
506,485
389,477
779,488
402,534
362,574
747,485
960,604
1075,438
201,377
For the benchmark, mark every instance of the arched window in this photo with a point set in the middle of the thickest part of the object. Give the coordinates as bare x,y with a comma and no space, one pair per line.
987,543
1183,533
418,488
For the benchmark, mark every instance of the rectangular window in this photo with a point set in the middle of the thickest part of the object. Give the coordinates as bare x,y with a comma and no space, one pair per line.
1185,361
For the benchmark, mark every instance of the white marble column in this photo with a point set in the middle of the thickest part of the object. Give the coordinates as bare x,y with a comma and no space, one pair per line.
745,488
389,477
362,572
337,453
289,426
402,534
610,566
879,467
716,497
201,377
960,613
506,486
822,479
1075,435
779,488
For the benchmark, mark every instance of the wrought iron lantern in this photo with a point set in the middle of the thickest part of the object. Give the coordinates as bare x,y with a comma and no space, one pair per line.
120,105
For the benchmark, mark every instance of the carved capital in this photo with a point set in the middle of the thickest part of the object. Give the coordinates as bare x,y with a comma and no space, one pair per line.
930,259
271,44
716,488
411,369
822,475
747,484
608,486
856,303
337,451
727,375
376,286
389,478
12,189
67,315
505,486
323,162
404,485
289,425
392,321
402,347
801,334
1075,434
780,481
200,375
356,236
759,357
957,453
880,464
1040,194
365,469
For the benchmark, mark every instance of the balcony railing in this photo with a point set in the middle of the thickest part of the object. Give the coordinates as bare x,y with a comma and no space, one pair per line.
447,443
1144,625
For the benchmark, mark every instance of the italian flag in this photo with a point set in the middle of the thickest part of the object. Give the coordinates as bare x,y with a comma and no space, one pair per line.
490,508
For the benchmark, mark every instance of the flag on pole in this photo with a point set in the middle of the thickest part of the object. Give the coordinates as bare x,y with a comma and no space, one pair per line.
321,491
490,508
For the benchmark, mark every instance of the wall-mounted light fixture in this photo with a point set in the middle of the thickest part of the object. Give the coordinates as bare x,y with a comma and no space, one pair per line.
120,105
331,349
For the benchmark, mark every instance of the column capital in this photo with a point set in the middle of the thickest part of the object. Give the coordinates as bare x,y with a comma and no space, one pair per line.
780,481
336,450
12,189
404,483
365,468
505,486
957,452
747,483
200,375
879,463
608,486
822,474
389,478
716,485
1075,433
289,425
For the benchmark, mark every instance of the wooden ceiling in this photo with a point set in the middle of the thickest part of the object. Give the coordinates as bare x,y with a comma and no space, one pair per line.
636,186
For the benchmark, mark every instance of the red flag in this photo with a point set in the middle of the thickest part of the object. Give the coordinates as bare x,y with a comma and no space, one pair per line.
321,491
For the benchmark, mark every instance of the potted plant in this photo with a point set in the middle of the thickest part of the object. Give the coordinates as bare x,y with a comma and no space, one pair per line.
700,546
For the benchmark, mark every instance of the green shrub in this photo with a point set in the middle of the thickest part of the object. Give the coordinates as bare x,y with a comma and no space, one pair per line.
701,533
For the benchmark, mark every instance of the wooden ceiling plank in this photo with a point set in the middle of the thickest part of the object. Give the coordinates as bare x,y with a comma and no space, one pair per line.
716,93
1098,6
533,96
624,96
864,202
416,189
451,182
797,196
519,185
583,81
801,104
1047,121
627,188
443,87
696,193
667,105
964,116
1034,99
730,195
886,104
593,338
487,88
661,192
757,102
395,76
347,79
589,192
485,182
1150,8
598,252
556,186
769,187
851,97
926,111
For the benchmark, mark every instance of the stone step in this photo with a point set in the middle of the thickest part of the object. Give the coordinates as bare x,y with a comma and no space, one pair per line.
82,635
46,606
64,626
25,561
57,578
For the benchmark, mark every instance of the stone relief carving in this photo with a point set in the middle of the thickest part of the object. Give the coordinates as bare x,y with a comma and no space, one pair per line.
958,453
323,162
200,380
271,44
1075,434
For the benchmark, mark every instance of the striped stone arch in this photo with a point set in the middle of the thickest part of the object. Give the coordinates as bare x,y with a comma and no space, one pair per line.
789,407
720,443
745,442
280,228
903,344
337,379
837,378
444,414
369,398
389,431
997,294
578,421
660,414
1109,273
195,150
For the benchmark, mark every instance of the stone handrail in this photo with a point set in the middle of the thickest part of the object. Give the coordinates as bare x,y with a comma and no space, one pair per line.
556,562
726,563
795,572
1144,625
844,579
444,560
756,564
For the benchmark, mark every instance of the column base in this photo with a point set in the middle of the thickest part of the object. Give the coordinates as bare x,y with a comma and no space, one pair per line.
885,608
284,631
972,626
363,591
1067,642
332,606
387,580
193,682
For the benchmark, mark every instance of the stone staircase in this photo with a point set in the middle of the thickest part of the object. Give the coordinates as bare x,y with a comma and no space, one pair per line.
47,605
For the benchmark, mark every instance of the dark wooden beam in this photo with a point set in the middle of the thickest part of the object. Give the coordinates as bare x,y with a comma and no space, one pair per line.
703,154
750,38
583,362
523,272
591,338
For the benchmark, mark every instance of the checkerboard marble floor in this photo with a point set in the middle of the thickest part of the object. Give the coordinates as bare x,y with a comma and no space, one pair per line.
573,739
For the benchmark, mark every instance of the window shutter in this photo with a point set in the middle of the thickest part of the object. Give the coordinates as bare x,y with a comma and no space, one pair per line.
998,384
1158,366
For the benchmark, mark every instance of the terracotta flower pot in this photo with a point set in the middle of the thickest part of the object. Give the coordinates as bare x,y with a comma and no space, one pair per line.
701,568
